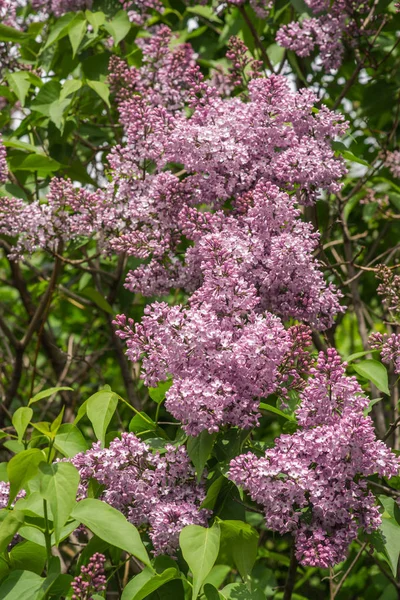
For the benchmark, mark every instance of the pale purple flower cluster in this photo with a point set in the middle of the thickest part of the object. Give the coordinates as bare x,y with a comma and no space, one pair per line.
92,579
221,365
68,214
158,490
392,161
8,12
165,77
3,162
311,483
138,11
60,7
389,288
389,347
325,31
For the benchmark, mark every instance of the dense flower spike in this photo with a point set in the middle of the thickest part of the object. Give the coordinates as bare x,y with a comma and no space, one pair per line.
311,483
389,289
92,579
158,490
389,347
392,161
220,366
59,7
333,21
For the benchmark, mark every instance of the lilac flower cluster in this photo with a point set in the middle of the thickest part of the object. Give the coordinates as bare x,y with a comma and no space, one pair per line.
389,347
165,76
91,580
392,161
138,11
311,483
389,289
220,366
333,21
60,7
3,162
154,490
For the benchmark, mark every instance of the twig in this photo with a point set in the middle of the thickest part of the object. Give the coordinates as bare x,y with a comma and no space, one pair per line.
291,576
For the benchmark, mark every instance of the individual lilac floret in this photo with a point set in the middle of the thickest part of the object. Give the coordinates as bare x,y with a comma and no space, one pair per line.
157,490
311,484
389,347
92,579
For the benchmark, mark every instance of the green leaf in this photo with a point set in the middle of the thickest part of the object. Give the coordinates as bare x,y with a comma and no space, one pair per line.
96,19
9,527
21,468
20,83
111,526
28,556
70,87
390,532
211,592
21,585
368,409
142,422
49,93
100,409
119,27
238,591
158,393
199,450
59,486
374,371
356,355
9,34
273,409
36,162
21,419
48,392
21,146
59,30
207,12
200,547
69,440
239,542
147,582
101,90
76,32
98,299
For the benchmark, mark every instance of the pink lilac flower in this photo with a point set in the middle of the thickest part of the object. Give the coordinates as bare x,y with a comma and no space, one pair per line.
220,365
156,490
389,347
164,77
60,7
91,580
392,161
311,483
389,289
333,22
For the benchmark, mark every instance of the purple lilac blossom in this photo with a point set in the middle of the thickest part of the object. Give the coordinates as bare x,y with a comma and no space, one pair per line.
389,347
91,580
330,23
311,484
155,490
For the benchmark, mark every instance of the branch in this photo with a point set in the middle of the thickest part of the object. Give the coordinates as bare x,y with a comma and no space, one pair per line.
291,576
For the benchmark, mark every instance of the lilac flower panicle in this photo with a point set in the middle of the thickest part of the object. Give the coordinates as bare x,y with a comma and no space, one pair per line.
92,579
157,491
329,26
389,347
311,484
